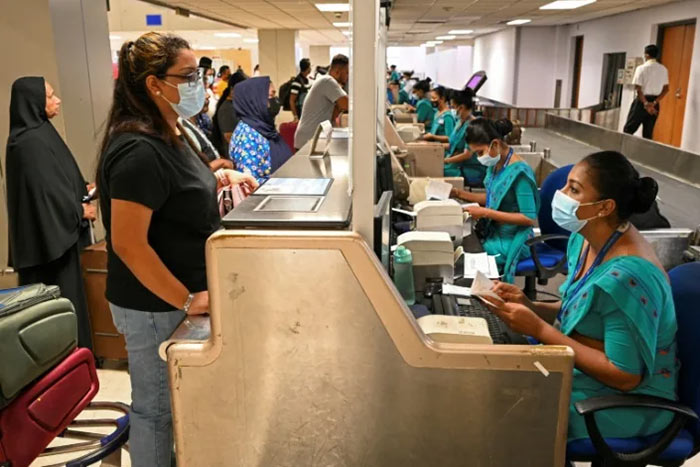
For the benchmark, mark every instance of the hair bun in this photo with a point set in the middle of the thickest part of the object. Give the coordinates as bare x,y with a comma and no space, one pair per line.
503,127
645,195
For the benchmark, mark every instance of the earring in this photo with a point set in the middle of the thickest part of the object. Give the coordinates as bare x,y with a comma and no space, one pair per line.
157,93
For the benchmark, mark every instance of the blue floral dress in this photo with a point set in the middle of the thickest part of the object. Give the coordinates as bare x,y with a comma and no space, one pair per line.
250,152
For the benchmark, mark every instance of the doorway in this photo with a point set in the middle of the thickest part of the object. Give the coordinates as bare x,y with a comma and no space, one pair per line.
676,45
578,60
611,91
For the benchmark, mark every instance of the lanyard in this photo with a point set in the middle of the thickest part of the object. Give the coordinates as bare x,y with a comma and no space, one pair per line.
599,259
495,176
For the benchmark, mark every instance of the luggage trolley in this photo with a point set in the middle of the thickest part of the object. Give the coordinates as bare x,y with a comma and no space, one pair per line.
46,382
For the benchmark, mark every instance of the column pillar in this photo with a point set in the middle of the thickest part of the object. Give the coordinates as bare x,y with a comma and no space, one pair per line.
277,54
320,55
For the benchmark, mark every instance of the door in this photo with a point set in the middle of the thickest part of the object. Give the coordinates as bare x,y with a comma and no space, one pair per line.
578,58
611,91
676,55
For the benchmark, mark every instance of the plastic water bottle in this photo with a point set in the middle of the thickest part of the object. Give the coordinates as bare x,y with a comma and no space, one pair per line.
403,274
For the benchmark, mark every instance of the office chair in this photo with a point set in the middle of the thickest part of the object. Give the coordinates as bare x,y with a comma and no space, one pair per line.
549,249
681,440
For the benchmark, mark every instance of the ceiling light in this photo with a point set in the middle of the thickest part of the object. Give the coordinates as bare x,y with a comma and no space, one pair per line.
227,34
114,38
347,33
445,38
333,6
566,4
251,41
433,43
342,25
517,22
461,31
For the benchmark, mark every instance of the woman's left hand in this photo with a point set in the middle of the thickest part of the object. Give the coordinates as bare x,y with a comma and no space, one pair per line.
478,212
238,178
519,318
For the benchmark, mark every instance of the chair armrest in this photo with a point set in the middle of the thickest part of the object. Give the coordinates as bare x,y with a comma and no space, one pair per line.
543,271
588,408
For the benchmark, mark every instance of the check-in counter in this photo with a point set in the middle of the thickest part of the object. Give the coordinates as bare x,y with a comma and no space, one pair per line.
311,357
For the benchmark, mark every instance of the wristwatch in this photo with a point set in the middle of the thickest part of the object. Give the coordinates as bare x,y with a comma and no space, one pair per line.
188,303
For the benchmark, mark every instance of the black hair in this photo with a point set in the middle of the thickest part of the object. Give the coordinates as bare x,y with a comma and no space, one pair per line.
652,50
464,97
304,65
408,73
441,91
339,61
205,62
615,178
393,66
484,130
423,85
222,70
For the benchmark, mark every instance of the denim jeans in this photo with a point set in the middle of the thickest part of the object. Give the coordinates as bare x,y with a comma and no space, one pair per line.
151,432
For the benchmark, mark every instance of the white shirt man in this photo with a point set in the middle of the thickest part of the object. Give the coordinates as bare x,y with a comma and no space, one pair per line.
651,84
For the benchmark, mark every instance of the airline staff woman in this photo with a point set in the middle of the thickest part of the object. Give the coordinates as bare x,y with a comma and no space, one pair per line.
617,311
508,209
424,109
460,160
444,121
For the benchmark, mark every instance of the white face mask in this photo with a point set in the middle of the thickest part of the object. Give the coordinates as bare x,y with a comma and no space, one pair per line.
564,210
191,99
487,159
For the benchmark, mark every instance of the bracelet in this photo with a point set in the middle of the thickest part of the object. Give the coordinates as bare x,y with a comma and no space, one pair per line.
222,178
188,303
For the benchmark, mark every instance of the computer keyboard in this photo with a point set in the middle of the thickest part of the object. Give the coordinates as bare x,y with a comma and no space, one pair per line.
500,333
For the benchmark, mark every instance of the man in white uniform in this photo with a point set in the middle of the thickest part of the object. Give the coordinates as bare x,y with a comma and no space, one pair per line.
325,100
651,83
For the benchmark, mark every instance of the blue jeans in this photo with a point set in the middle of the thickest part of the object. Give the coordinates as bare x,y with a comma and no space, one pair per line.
151,432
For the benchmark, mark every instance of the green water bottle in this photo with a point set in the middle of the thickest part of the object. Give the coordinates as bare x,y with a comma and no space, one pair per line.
403,274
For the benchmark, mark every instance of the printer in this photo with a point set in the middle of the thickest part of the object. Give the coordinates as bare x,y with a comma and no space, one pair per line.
440,216
433,256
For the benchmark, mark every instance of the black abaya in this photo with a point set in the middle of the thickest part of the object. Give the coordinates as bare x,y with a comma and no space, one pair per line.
44,201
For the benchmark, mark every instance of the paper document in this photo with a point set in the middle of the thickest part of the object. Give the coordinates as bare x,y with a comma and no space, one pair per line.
480,262
438,190
449,289
295,186
483,287
403,211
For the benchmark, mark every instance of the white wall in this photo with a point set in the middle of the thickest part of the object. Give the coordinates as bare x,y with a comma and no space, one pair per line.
447,66
409,58
497,54
536,73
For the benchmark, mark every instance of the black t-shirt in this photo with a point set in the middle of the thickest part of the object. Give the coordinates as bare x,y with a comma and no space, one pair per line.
181,191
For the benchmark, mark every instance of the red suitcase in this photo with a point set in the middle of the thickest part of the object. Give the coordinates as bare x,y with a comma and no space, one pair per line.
287,131
46,408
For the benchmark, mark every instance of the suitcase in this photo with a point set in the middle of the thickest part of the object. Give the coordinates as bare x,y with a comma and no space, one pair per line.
46,408
37,330
287,131
106,341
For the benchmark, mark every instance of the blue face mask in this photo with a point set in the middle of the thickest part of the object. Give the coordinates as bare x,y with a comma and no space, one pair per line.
191,99
564,212
454,113
487,159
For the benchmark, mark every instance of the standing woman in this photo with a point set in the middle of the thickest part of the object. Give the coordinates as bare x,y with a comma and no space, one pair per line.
509,208
460,160
257,147
444,121
159,206
424,109
225,119
48,221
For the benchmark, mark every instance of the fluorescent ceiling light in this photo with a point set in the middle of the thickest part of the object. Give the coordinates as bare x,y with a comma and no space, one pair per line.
461,31
114,38
445,38
333,7
227,34
342,25
566,4
517,22
347,33
251,41
433,43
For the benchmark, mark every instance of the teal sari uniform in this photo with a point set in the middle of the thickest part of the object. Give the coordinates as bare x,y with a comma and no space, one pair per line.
443,123
458,142
627,304
512,189
404,98
425,112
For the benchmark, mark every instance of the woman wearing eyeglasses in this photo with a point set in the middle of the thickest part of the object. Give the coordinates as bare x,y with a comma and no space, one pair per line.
159,205
508,210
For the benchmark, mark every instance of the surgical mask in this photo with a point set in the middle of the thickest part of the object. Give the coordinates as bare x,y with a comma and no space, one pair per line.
191,99
564,210
487,159
274,107
454,113
207,81
434,103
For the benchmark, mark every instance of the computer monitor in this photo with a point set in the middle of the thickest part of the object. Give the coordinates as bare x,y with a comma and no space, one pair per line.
382,229
383,175
476,81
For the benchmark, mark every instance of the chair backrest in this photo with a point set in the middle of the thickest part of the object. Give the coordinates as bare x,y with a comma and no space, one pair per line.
554,181
686,297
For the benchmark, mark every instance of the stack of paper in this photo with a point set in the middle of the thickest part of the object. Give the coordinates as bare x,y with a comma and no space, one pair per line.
483,287
455,329
428,248
449,289
438,190
480,262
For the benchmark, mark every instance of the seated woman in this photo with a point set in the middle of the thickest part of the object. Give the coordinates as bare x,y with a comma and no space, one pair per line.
511,201
617,310
460,160
444,120
424,109
256,146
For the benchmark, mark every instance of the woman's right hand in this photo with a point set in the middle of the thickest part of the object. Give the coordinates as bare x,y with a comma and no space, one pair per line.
511,293
238,178
200,304
89,211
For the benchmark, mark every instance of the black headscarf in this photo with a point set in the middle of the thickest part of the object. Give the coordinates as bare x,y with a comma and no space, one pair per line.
44,185
251,104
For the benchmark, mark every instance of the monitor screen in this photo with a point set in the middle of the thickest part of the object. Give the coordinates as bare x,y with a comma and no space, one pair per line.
476,81
382,230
